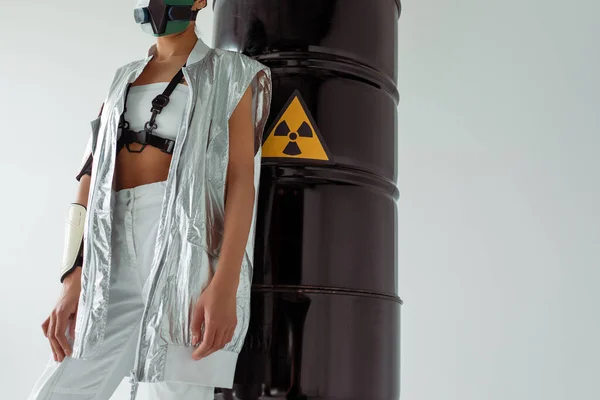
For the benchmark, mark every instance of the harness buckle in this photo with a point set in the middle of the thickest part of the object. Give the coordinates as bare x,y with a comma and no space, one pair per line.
128,137
141,137
159,102
169,147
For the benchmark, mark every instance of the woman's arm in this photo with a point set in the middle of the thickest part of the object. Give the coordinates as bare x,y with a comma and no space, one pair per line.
216,306
239,194
83,191
66,307
81,198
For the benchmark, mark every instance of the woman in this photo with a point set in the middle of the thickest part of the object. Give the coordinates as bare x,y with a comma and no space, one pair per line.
163,222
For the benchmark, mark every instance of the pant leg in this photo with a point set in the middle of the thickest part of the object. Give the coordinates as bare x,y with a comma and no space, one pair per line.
98,377
180,391
135,225
146,214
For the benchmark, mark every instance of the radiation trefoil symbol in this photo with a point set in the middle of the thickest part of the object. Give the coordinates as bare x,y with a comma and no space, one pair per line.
292,148
295,135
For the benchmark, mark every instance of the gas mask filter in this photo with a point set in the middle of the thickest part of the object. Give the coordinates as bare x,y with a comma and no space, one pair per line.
164,17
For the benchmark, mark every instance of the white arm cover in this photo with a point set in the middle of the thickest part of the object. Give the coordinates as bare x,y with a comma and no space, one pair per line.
73,251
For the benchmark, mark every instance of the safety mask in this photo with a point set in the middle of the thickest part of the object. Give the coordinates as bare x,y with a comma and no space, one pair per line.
164,17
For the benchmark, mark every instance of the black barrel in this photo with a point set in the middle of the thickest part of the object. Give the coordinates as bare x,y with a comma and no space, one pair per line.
325,317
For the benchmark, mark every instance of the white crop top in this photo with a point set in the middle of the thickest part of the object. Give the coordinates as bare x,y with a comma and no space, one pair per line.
139,103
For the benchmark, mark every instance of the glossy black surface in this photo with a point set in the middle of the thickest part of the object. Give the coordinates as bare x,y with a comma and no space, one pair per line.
325,319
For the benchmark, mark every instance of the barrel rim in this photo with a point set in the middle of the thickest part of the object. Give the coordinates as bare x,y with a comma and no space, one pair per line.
314,59
266,288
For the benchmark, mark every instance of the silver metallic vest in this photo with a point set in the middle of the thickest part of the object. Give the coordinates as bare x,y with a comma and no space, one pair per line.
191,223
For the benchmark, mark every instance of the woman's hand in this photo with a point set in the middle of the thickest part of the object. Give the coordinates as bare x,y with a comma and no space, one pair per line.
55,325
216,308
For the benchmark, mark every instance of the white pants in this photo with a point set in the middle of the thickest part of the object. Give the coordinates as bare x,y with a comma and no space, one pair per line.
135,225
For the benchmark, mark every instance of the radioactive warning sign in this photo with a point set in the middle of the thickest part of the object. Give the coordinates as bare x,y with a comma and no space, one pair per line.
295,135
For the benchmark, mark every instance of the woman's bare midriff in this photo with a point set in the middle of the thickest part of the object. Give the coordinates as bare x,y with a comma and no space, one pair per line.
151,164
134,169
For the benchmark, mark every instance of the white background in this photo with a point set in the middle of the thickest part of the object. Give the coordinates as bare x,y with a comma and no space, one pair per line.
499,223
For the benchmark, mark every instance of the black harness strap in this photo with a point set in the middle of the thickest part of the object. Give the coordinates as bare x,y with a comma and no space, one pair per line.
147,136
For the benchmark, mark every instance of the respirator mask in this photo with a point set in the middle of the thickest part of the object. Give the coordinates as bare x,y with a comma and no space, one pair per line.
164,17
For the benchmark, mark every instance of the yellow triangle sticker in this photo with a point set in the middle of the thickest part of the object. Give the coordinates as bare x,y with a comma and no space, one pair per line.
295,135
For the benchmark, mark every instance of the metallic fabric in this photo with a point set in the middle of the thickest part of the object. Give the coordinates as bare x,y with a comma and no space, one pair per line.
191,223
